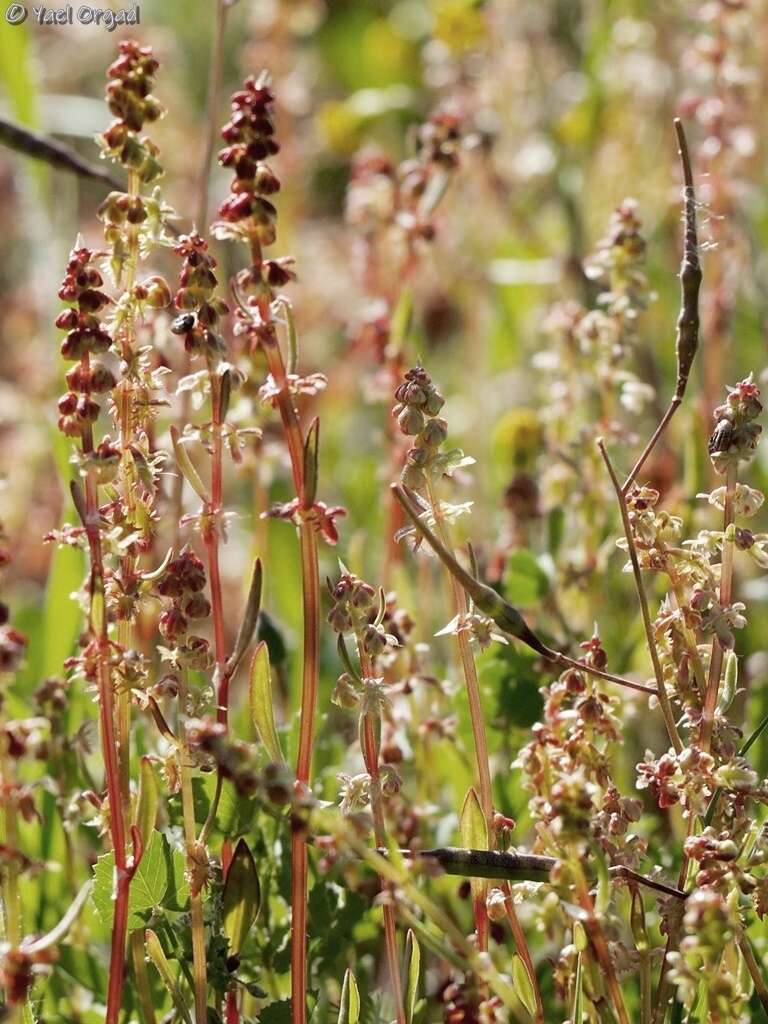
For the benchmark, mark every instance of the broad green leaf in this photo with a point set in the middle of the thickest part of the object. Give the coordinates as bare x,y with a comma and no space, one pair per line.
241,899
411,973
260,700
525,582
148,886
148,799
473,833
349,1006
523,985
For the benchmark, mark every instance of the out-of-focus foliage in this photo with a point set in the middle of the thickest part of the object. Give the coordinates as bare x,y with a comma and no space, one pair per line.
565,110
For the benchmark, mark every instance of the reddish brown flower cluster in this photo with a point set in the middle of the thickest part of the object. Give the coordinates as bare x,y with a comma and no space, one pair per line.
246,213
130,100
183,582
197,283
85,337
250,136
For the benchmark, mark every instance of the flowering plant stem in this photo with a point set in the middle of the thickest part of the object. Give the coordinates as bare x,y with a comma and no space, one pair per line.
664,702
726,588
199,971
475,707
522,948
310,584
124,401
109,740
371,757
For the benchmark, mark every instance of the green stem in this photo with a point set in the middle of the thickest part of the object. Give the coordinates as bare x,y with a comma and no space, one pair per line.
472,686
199,969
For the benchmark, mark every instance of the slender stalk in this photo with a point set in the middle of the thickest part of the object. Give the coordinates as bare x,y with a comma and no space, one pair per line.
726,587
109,741
124,404
491,603
199,970
753,967
211,534
371,757
212,106
472,686
10,877
310,584
687,340
664,701
141,977
522,948
600,945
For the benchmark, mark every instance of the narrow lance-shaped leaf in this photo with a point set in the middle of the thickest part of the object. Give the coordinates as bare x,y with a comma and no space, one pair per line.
241,899
411,974
349,1005
401,319
523,985
157,956
186,468
310,463
473,832
250,619
147,801
260,701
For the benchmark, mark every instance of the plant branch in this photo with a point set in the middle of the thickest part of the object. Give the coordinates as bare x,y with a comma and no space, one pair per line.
664,701
687,340
493,604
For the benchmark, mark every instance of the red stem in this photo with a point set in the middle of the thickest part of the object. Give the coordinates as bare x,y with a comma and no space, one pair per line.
310,583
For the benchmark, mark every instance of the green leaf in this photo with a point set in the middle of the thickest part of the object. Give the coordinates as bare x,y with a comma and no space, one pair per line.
158,958
523,985
412,971
148,886
349,1006
260,701
241,899
577,1013
148,799
276,1013
473,833
524,581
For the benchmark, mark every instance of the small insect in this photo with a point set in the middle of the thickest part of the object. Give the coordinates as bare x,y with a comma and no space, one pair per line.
183,324
721,438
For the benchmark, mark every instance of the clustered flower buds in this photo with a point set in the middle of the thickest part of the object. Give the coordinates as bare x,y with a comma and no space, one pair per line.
619,259
736,433
183,582
418,405
86,337
195,296
130,100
